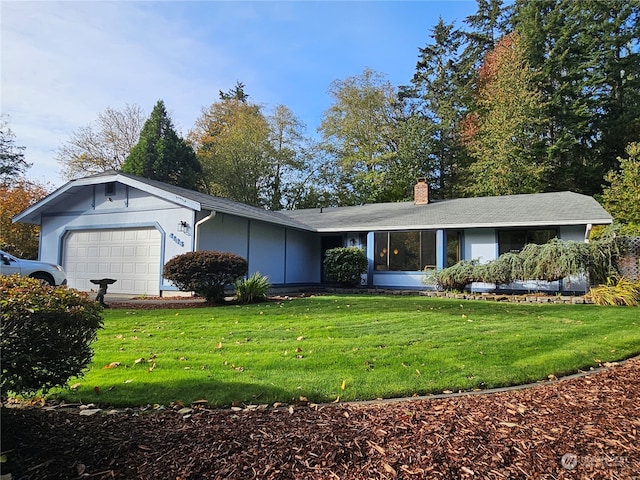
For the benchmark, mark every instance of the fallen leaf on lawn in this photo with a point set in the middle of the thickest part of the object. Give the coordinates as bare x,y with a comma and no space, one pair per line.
418,372
128,381
219,345
152,367
298,349
112,365
74,386
336,400
300,338
552,377
138,360
344,385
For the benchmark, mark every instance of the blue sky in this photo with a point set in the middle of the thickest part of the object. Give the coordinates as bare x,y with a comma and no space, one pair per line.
62,63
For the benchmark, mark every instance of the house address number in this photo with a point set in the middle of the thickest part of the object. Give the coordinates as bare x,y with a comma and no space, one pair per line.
176,239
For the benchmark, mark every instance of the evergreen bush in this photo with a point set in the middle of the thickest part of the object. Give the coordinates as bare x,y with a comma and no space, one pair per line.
205,272
345,265
552,261
45,334
456,277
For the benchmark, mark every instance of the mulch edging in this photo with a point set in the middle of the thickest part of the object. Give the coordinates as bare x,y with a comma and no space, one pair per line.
581,428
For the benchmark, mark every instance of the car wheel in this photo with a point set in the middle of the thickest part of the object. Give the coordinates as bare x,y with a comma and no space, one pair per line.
45,278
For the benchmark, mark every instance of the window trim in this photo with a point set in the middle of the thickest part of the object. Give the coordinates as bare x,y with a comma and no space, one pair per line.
527,231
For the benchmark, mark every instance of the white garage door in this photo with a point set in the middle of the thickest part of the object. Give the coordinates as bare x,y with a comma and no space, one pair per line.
131,256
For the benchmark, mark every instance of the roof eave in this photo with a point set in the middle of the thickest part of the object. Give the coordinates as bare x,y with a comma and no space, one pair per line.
557,223
33,213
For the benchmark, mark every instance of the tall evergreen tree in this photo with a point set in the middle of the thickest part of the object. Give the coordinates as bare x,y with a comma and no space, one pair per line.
586,54
162,155
12,162
484,29
436,97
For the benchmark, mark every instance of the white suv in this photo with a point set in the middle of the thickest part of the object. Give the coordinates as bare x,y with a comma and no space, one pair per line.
48,273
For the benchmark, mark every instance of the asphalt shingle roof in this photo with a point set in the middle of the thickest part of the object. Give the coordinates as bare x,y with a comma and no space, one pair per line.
542,209
558,208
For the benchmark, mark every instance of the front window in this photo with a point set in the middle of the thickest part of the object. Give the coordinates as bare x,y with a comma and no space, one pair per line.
453,249
405,251
513,241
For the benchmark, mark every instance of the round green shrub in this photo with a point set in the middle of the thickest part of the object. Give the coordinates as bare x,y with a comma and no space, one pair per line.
345,265
205,272
45,334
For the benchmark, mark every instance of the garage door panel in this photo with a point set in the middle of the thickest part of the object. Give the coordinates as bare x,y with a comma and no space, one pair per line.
131,256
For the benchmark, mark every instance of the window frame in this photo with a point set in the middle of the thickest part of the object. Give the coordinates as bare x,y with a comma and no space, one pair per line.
528,237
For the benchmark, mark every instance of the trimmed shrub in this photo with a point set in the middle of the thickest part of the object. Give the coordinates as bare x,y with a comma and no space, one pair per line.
45,334
345,265
252,289
206,272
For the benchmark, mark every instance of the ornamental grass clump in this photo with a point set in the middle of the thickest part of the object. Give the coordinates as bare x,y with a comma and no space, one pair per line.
616,292
45,334
253,289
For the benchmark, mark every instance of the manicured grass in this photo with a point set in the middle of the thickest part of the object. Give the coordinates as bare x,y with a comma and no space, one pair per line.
346,347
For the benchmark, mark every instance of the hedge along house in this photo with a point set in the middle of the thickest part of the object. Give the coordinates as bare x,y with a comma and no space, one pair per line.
126,227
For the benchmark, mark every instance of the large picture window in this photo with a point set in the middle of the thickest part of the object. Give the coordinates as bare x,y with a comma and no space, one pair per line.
513,241
405,251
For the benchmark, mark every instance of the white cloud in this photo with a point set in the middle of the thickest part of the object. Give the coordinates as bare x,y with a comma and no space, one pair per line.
64,62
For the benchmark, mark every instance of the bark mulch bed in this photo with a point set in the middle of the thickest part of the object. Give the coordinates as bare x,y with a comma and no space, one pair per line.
580,428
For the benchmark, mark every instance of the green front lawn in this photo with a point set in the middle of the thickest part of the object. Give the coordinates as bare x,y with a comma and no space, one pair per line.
346,347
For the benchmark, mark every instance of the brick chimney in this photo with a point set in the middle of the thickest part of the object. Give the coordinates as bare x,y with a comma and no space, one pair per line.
421,192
